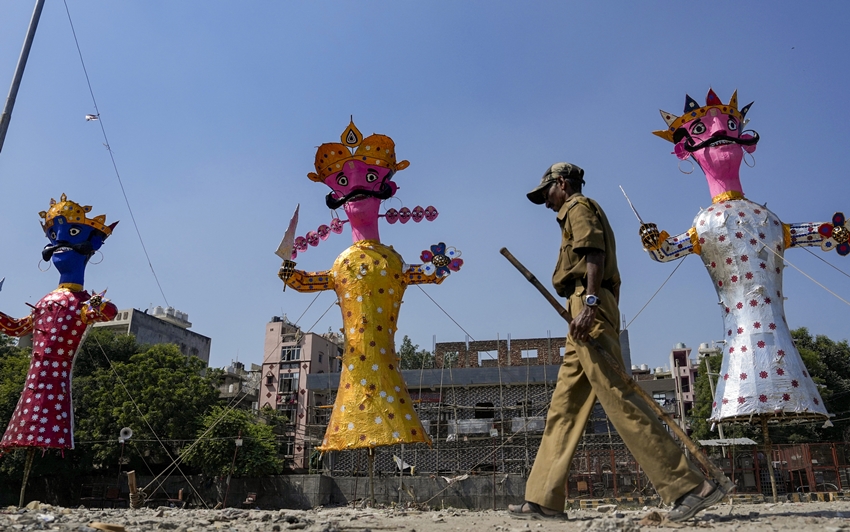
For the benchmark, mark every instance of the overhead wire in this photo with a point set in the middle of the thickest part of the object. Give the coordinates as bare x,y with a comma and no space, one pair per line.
112,155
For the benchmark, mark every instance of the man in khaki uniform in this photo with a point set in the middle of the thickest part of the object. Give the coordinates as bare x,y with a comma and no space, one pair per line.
587,275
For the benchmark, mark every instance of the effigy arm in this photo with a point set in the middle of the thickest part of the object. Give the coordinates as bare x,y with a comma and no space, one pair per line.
664,248
305,281
416,275
826,235
15,327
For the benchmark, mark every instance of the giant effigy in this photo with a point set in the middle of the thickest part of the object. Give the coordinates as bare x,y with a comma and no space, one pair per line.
742,244
44,416
373,406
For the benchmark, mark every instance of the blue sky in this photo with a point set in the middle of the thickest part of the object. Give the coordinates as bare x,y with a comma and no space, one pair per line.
213,111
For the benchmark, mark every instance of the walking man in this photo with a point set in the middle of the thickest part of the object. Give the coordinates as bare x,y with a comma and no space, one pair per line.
587,275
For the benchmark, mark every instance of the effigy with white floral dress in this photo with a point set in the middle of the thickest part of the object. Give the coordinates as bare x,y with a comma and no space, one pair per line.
373,407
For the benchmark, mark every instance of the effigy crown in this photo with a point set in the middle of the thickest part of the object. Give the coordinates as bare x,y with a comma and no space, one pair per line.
74,213
375,149
693,111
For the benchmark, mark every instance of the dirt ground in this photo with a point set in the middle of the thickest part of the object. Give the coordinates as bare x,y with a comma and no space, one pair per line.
797,517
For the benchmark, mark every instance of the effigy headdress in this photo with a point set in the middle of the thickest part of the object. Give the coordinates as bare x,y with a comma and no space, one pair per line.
694,111
375,149
74,213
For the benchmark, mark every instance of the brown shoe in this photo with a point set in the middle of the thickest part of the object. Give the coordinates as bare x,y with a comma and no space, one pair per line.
530,510
691,504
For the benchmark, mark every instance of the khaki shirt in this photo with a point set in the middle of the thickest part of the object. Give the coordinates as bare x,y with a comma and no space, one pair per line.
584,226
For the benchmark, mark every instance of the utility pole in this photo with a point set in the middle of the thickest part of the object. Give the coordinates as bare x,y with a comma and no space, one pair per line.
19,72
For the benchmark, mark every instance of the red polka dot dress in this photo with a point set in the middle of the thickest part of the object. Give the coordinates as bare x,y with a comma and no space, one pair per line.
44,415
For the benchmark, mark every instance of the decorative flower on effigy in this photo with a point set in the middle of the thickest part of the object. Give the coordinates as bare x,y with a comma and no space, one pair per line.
836,235
441,260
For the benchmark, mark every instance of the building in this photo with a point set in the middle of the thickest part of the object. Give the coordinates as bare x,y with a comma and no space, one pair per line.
161,326
240,386
289,356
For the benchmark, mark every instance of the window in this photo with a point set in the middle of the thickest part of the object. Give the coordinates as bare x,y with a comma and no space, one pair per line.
291,352
660,398
529,353
686,385
485,355
288,382
484,411
321,355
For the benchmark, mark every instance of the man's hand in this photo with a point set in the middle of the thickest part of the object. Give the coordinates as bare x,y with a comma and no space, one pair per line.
583,323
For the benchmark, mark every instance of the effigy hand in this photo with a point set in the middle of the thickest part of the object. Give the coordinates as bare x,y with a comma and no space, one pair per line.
650,237
286,270
95,309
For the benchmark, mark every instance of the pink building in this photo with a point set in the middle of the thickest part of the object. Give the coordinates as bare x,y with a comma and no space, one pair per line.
289,355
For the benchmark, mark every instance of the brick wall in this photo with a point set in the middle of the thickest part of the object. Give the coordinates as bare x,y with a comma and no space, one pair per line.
548,352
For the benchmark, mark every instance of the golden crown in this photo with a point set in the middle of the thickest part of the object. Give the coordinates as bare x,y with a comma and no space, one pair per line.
694,111
375,149
74,213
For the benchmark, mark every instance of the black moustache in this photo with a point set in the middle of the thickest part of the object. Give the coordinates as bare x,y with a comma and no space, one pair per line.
83,248
384,192
689,144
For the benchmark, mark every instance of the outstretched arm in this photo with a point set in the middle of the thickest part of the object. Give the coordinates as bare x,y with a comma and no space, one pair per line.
15,327
416,275
827,235
663,248
305,281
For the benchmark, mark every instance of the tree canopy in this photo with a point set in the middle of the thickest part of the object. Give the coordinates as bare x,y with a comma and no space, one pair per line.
411,357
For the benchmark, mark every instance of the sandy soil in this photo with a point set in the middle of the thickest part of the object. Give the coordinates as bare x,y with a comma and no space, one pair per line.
797,517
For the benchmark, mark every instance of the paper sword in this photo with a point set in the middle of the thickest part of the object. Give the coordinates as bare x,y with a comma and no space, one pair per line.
284,250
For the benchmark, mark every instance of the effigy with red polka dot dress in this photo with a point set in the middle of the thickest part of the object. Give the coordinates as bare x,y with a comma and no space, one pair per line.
742,244
44,418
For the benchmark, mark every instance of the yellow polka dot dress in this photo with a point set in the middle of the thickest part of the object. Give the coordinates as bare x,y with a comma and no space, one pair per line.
373,407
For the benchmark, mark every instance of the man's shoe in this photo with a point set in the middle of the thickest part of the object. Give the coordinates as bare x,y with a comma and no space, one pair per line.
691,504
535,511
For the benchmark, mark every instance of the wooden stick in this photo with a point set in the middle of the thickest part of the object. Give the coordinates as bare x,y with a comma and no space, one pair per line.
725,484
27,467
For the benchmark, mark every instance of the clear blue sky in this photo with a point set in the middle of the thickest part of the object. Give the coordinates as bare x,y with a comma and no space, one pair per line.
214,110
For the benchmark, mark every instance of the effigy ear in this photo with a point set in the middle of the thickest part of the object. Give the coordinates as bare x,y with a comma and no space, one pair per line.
680,151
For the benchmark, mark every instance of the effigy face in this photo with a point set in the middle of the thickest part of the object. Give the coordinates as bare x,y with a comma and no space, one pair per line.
359,188
71,244
713,140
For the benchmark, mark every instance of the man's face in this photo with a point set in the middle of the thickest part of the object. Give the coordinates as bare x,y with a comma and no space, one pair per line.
359,188
555,195
713,140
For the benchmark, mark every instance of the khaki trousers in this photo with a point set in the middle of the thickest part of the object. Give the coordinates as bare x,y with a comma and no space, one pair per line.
584,377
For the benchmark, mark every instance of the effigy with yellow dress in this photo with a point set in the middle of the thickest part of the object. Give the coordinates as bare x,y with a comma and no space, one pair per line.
373,407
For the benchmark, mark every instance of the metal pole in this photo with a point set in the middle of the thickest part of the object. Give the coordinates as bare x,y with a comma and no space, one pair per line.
19,72
768,451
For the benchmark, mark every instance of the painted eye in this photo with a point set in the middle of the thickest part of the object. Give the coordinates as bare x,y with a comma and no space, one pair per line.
732,125
371,177
52,235
74,231
341,180
698,129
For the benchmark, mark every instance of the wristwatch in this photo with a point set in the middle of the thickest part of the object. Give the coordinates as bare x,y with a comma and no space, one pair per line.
591,300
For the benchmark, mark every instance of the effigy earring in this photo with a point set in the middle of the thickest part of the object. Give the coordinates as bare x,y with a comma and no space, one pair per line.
692,166
752,158
46,269
93,254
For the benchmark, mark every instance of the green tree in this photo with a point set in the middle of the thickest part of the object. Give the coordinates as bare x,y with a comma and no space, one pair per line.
411,357
214,452
703,399
160,394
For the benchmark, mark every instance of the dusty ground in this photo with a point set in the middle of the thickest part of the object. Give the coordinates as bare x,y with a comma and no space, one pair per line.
797,517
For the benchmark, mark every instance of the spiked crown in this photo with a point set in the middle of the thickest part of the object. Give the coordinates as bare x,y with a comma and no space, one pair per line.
374,149
74,213
694,111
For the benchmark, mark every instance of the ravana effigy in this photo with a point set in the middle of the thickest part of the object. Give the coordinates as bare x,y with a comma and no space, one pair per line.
742,244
